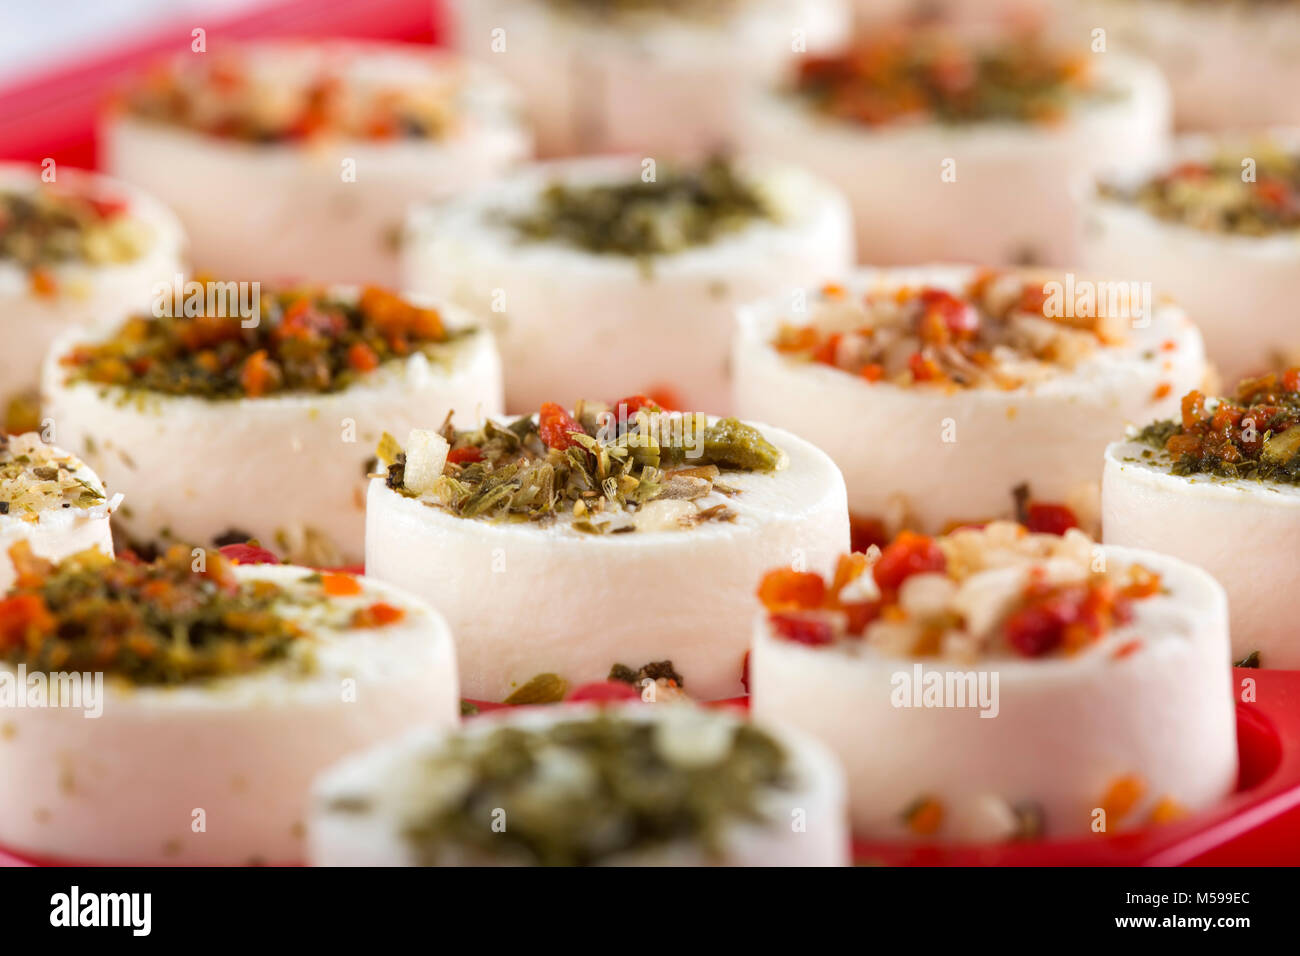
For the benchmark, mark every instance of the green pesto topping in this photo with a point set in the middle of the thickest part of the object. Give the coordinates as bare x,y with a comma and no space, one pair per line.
153,624
34,477
604,472
1253,436
1254,192
681,209
303,340
579,792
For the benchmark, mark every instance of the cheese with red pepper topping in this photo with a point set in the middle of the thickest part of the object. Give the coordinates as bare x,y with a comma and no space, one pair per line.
74,251
963,148
993,684
1218,228
940,391
215,431
542,567
212,769
296,160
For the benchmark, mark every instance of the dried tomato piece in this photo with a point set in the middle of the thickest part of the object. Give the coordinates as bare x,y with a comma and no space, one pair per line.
635,403
462,456
23,616
556,426
803,629
1044,518
340,585
909,554
1035,630
378,614
362,357
784,589
605,690
248,554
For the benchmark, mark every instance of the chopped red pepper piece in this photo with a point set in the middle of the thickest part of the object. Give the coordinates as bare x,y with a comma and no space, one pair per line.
1044,518
461,456
557,427
23,615
803,629
909,554
784,589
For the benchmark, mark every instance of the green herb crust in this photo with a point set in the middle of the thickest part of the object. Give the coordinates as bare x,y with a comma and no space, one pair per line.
45,227
1250,437
304,340
35,478
602,472
681,209
622,790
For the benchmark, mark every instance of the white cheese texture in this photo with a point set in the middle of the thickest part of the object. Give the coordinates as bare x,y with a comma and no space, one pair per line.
1241,291
995,193
524,599
927,456
1242,532
326,211
1065,727
657,85
88,295
128,787
288,469
574,324
384,777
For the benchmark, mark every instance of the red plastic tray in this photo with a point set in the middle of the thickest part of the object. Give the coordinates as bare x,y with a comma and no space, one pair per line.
53,115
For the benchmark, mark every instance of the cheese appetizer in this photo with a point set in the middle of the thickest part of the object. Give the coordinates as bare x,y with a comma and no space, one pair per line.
600,273
218,432
1230,63
567,548
50,500
963,148
660,77
1219,230
631,785
1219,486
950,395
219,692
1102,670
72,251
298,160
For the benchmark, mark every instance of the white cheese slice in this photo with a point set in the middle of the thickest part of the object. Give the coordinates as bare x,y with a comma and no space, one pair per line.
88,295
288,469
1061,729
804,824
1015,191
327,211
574,324
936,456
525,599
218,773
1242,532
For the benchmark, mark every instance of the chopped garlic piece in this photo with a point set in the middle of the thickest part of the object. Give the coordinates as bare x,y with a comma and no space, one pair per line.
426,453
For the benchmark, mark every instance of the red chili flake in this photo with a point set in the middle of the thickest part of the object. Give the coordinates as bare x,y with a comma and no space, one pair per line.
923,369
257,374
635,403
44,283
825,352
248,554
21,616
1163,389
784,589
909,554
556,427
960,319
461,456
1044,518
873,372
803,629
340,585
606,690
1124,650
1035,630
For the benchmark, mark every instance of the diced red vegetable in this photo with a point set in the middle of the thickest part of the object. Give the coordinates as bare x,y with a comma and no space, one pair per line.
803,629
1045,518
248,554
557,427
784,589
909,554
607,690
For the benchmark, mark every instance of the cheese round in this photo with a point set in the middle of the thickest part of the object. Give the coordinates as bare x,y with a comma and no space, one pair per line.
1246,321
364,808
79,290
1197,518
996,192
218,771
926,456
288,469
1136,726
526,598
49,500
317,202
1229,65
573,323
662,82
